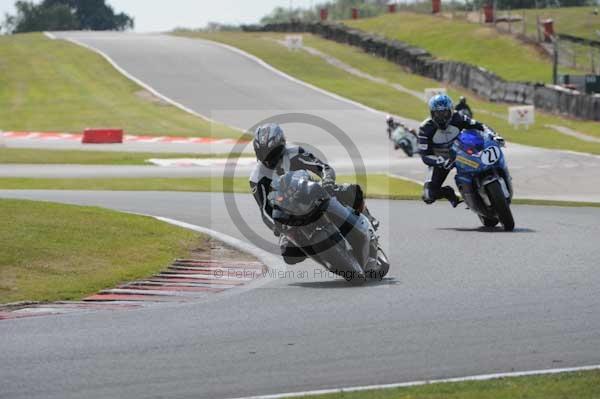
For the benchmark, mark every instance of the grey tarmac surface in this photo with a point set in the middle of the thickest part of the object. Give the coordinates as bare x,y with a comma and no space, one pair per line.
459,300
561,176
231,88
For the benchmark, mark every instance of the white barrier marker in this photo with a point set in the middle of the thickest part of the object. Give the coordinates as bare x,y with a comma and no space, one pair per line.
523,115
294,42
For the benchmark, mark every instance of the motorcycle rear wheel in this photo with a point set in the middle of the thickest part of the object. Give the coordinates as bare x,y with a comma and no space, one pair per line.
500,205
384,264
407,148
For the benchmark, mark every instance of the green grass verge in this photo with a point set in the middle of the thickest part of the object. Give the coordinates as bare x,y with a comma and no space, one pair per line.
64,252
463,41
35,156
580,385
377,186
54,85
314,70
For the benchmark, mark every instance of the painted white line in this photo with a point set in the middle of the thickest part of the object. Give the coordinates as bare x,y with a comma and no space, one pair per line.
347,100
274,70
50,36
208,277
168,285
483,377
149,293
218,269
398,176
268,259
302,83
141,83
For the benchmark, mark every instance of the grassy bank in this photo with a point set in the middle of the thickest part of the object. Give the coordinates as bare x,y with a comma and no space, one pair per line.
377,186
63,252
53,85
463,41
576,21
315,70
580,385
34,156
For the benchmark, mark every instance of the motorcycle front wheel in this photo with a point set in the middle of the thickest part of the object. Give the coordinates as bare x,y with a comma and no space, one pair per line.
500,205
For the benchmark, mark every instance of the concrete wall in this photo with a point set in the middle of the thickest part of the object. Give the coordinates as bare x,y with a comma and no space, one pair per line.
479,80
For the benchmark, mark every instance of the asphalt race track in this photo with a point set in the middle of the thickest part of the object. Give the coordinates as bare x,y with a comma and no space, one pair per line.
459,301
229,87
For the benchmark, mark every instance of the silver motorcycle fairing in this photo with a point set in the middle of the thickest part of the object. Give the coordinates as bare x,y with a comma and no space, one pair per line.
356,228
335,252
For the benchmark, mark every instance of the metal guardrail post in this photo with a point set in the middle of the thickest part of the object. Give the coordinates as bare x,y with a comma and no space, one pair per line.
555,61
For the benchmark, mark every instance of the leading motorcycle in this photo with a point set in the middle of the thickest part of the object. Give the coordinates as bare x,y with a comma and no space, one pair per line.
482,177
336,236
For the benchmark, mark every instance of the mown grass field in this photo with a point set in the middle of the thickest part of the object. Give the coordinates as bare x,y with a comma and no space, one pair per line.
376,186
315,70
580,385
463,41
35,156
63,252
53,85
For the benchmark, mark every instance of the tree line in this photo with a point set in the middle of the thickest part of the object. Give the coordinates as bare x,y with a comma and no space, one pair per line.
54,15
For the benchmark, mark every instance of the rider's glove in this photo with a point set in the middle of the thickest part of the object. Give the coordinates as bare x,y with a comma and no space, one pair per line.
277,229
329,186
489,130
448,164
500,141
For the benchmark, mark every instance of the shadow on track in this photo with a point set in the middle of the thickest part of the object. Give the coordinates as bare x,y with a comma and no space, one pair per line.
344,284
483,229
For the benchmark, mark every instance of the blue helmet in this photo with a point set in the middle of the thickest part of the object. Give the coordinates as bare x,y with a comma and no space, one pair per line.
440,107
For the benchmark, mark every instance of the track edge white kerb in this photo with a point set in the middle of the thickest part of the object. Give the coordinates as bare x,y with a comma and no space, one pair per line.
268,259
482,377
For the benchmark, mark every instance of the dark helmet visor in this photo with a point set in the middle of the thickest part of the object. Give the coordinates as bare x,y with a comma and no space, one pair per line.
441,117
273,157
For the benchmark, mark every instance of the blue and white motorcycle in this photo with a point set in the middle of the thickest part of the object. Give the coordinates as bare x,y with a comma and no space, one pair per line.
404,138
482,177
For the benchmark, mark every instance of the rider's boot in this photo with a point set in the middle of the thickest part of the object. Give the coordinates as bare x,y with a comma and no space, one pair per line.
450,195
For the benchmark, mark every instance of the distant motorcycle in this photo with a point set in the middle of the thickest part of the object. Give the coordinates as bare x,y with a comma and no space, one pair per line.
402,137
463,108
466,112
482,177
337,237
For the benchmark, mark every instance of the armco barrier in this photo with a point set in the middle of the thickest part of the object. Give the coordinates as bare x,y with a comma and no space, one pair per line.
479,80
102,136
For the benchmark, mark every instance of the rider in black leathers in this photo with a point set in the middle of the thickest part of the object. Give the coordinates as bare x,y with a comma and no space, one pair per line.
274,159
463,108
436,136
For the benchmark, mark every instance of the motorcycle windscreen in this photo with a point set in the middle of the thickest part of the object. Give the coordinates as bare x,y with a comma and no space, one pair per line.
471,141
297,196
